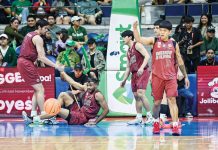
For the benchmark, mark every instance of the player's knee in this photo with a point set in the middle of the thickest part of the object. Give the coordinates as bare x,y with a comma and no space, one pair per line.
172,101
62,95
140,93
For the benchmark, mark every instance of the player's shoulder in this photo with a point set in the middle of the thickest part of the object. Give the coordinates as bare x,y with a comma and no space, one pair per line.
98,95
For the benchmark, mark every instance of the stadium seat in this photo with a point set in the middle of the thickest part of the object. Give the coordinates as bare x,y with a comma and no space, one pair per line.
194,10
52,58
61,86
106,11
17,51
174,10
214,9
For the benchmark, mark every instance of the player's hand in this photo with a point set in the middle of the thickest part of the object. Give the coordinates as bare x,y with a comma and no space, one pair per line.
187,83
140,71
135,24
90,123
122,84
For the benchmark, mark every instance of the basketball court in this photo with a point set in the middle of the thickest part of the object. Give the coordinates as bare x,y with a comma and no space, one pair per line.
110,134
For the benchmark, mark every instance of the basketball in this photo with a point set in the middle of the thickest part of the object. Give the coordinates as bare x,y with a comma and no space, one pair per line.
52,106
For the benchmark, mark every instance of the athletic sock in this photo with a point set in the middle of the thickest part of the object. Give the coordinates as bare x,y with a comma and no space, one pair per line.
139,116
33,113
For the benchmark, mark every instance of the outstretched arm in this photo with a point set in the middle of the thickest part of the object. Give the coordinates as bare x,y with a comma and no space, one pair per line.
138,38
37,40
182,66
75,84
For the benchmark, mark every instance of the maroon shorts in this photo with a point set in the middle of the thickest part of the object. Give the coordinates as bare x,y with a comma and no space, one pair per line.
28,71
159,85
76,117
140,82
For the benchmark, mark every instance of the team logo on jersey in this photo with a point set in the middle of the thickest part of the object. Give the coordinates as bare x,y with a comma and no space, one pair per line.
159,44
170,45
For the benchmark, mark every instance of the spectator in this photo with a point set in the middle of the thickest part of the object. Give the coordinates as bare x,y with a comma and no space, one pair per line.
48,46
205,21
53,28
190,42
41,8
69,57
179,29
77,32
8,56
96,58
210,59
210,41
20,10
31,25
186,93
61,43
15,39
89,11
5,12
63,10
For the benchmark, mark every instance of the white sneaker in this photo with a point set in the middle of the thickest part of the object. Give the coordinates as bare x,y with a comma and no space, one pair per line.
26,119
136,121
149,121
189,115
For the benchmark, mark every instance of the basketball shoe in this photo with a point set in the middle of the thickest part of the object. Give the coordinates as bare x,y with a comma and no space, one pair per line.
26,118
136,121
156,127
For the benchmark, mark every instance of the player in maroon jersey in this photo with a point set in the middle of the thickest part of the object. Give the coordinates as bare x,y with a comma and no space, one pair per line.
137,65
31,50
165,59
92,100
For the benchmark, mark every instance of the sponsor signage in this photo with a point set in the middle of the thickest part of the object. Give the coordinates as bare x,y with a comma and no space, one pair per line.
16,96
207,90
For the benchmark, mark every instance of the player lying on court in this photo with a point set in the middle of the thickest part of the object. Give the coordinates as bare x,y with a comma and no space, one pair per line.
92,100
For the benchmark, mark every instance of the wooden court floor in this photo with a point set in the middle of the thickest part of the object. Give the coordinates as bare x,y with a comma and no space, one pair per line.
110,134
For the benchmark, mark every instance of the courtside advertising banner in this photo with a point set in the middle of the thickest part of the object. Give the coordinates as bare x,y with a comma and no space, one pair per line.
120,100
207,90
16,96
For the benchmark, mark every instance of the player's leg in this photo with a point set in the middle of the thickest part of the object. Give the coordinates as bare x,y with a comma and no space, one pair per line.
34,106
157,92
65,98
138,105
171,92
142,97
39,95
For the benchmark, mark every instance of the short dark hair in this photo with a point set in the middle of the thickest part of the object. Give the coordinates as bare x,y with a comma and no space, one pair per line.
166,24
210,49
157,22
188,19
31,16
51,15
41,23
91,79
91,41
127,33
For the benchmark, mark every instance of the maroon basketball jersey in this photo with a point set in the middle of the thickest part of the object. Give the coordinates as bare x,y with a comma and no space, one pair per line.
163,59
28,49
135,59
90,106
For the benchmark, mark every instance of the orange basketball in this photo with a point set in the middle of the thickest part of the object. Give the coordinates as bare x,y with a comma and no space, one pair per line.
52,106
